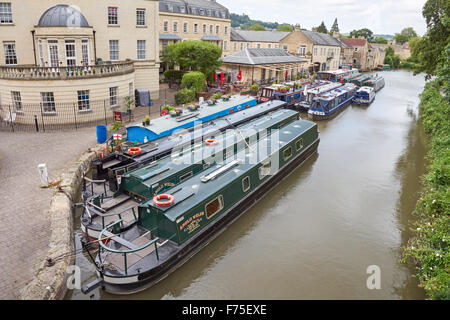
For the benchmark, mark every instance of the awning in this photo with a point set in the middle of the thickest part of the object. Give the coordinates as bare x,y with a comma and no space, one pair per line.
211,38
168,36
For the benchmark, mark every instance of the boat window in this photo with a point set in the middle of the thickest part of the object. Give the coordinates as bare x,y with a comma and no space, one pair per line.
214,206
206,165
186,176
287,153
246,184
264,170
299,144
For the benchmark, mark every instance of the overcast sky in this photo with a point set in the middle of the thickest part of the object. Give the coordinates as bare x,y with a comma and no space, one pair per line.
380,16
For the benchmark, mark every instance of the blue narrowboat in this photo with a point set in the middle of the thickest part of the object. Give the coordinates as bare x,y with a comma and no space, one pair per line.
329,104
364,96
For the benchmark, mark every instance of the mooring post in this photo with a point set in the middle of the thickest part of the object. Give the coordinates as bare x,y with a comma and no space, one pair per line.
36,123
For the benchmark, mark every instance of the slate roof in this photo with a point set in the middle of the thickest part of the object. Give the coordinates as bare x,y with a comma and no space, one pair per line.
62,15
257,36
196,7
355,42
321,38
261,56
168,36
343,43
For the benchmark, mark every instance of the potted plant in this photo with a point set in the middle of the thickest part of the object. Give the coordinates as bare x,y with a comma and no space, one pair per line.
254,88
146,121
244,92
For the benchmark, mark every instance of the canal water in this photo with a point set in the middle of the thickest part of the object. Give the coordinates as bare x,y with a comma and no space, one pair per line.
313,237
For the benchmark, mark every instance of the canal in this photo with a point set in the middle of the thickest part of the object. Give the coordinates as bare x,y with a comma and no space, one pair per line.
315,235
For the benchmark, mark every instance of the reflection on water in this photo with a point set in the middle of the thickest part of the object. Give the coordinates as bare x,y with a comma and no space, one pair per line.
315,234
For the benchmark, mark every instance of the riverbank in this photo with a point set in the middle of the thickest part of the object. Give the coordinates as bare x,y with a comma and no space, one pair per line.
429,247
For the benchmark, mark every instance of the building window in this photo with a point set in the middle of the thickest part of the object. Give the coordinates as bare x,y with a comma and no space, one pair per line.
166,26
84,102
85,52
264,170
140,18
301,50
48,102
16,100
10,53
71,59
217,29
5,13
315,51
186,176
299,144
41,54
185,27
114,50
204,28
242,46
225,45
258,46
195,28
246,184
213,207
175,27
113,97
226,30
356,49
287,153
53,53
269,46
130,90
165,43
211,29
141,51
113,17
235,46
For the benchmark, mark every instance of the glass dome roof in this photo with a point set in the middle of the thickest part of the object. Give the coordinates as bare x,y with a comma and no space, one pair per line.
62,15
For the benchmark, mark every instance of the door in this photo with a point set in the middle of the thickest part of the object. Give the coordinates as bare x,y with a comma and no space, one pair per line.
85,52
71,57
53,54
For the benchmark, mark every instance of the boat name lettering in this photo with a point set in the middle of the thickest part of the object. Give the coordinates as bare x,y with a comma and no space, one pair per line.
193,222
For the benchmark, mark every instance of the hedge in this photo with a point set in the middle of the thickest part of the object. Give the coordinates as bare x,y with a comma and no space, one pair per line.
184,96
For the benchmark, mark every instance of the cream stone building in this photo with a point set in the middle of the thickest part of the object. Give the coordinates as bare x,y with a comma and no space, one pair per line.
322,50
83,53
361,58
206,20
248,39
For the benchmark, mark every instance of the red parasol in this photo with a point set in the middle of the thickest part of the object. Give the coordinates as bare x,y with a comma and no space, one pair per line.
239,76
215,76
286,75
222,78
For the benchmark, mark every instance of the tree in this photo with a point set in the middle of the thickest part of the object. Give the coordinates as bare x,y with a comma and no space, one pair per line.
366,33
194,55
193,81
405,35
335,27
380,40
429,51
257,27
285,28
322,28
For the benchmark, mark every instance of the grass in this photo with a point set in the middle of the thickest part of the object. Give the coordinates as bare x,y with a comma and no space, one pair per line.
428,249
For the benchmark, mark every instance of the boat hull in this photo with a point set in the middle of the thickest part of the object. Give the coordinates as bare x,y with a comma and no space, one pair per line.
330,115
123,285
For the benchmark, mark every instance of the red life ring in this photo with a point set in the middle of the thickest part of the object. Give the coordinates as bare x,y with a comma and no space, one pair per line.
157,200
134,151
211,142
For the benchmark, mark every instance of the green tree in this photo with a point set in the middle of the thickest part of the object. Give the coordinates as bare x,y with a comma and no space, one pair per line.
285,28
194,55
193,81
322,28
366,33
380,40
257,27
335,27
405,35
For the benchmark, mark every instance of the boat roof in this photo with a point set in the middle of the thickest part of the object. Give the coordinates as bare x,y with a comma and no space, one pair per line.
324,88
193,191
336,92
165,123
366,89
165,167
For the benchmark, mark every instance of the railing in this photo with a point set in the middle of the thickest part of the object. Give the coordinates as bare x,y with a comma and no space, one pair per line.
65,73
102,213
105,234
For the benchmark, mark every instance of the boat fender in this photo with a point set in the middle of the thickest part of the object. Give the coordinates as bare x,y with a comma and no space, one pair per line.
157,200
134,151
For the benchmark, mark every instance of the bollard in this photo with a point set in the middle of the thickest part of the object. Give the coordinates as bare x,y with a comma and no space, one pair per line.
43,174
36,123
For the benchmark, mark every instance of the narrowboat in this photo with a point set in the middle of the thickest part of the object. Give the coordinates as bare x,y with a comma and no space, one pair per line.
336,75
118,162
172,227
377,82
142,184
310,94
359,81
330,103
364,96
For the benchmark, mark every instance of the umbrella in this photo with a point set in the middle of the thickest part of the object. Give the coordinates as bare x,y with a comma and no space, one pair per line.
222,78
286,75
239,76
215,76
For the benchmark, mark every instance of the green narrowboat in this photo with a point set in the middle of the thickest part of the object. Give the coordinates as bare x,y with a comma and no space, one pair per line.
184,162
359,81
174,226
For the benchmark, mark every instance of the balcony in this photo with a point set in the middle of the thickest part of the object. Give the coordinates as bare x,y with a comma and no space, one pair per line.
65,73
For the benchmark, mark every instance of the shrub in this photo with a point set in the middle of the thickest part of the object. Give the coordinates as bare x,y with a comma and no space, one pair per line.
217,95
254,87
176,75
184,96
194,81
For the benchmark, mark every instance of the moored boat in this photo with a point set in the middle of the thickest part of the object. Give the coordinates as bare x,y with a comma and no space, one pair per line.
364,96
377,82
171,231
140,185
310,94
330,103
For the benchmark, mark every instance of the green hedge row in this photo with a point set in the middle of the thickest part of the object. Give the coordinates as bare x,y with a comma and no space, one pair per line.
429,248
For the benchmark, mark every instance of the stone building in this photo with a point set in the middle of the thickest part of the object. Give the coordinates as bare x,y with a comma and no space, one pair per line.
263,65
248,39
378,54
361,59
322,50
206,20
76,52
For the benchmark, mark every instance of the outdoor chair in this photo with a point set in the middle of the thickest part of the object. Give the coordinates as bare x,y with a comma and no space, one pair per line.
10,118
